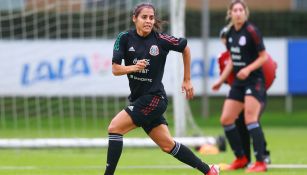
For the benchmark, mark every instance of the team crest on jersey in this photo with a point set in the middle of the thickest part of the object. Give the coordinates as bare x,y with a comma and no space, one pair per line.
154,50
242,41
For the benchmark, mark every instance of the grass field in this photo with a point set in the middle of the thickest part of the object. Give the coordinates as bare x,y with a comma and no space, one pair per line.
286,135
288,145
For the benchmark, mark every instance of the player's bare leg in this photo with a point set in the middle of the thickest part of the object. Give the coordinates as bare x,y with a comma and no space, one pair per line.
231,110
252,111
162,137
120,125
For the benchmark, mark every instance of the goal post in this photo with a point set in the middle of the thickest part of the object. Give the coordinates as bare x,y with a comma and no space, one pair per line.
57,84
177,10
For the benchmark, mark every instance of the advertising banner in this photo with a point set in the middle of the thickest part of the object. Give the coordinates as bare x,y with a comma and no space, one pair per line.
297,67
84,67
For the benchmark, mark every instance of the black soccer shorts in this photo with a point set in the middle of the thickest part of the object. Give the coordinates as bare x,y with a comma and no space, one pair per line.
255,89
147,111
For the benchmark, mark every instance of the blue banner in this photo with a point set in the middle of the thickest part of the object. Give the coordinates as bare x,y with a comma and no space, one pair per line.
297,66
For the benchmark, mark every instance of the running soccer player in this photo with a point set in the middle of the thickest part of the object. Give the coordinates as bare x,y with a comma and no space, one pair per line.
144,51
248,89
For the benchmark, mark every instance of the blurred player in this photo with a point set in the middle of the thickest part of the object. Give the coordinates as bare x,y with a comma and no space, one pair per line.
247,92
269,69
144,51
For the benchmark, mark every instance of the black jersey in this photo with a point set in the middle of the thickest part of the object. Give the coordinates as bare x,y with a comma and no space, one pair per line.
244,46
154,48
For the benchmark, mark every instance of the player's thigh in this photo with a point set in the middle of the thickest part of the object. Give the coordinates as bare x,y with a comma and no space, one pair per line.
231,111
121,123
147,109
252,108
162,137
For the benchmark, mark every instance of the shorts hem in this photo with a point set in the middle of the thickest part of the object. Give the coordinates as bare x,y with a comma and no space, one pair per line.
132,118
230,98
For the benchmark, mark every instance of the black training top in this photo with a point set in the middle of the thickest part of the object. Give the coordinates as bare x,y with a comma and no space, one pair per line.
130,47
244,46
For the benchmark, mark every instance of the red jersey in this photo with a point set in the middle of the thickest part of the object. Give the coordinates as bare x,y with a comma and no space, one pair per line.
268,68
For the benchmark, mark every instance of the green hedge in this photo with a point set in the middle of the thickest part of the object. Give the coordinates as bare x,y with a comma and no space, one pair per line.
271,24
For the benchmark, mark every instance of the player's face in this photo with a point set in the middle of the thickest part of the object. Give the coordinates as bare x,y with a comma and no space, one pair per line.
144,22
238,14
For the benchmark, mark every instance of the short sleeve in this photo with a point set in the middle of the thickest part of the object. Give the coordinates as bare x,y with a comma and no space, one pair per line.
228,38
256,37
169,42
119,48
227,44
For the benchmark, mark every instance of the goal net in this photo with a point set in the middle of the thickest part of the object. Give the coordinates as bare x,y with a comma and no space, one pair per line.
56,85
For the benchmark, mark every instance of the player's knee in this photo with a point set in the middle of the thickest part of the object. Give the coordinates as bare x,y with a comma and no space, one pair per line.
226,121
113,128
250,117
166,148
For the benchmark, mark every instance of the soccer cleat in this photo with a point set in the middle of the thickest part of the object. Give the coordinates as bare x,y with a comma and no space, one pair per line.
266,157
214,170
257,167
240,162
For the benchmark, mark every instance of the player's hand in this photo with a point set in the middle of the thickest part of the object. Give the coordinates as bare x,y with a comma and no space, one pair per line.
187,88
217,85
140,65
243,73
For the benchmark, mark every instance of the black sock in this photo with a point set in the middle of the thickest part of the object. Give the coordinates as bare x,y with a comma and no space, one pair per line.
186,156
265,148
244,135
258,140
114,151
234,139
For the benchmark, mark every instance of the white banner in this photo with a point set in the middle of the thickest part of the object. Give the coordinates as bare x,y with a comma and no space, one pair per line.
83,67
277,48
74,67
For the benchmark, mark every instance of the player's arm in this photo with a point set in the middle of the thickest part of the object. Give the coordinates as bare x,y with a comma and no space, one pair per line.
216,86
118,69
256,38
180,45
187,86
258,62
244,73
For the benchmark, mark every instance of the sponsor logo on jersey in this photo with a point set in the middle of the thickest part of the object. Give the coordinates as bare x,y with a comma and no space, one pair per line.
131,49
154,50
135,60
242,41
235,49
230,39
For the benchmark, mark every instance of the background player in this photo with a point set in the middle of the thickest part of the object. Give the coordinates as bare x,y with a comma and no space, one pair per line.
248,90
269,69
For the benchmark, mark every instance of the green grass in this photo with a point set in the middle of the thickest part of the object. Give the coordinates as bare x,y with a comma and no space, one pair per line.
78,126
288,145
285,133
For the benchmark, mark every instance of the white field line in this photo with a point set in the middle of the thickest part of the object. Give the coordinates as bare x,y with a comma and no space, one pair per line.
273,166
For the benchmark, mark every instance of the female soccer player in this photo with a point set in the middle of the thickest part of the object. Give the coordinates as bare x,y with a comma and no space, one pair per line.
144,52
269,70
248,89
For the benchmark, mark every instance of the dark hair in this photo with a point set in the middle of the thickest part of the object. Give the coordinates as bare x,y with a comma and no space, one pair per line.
158,22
